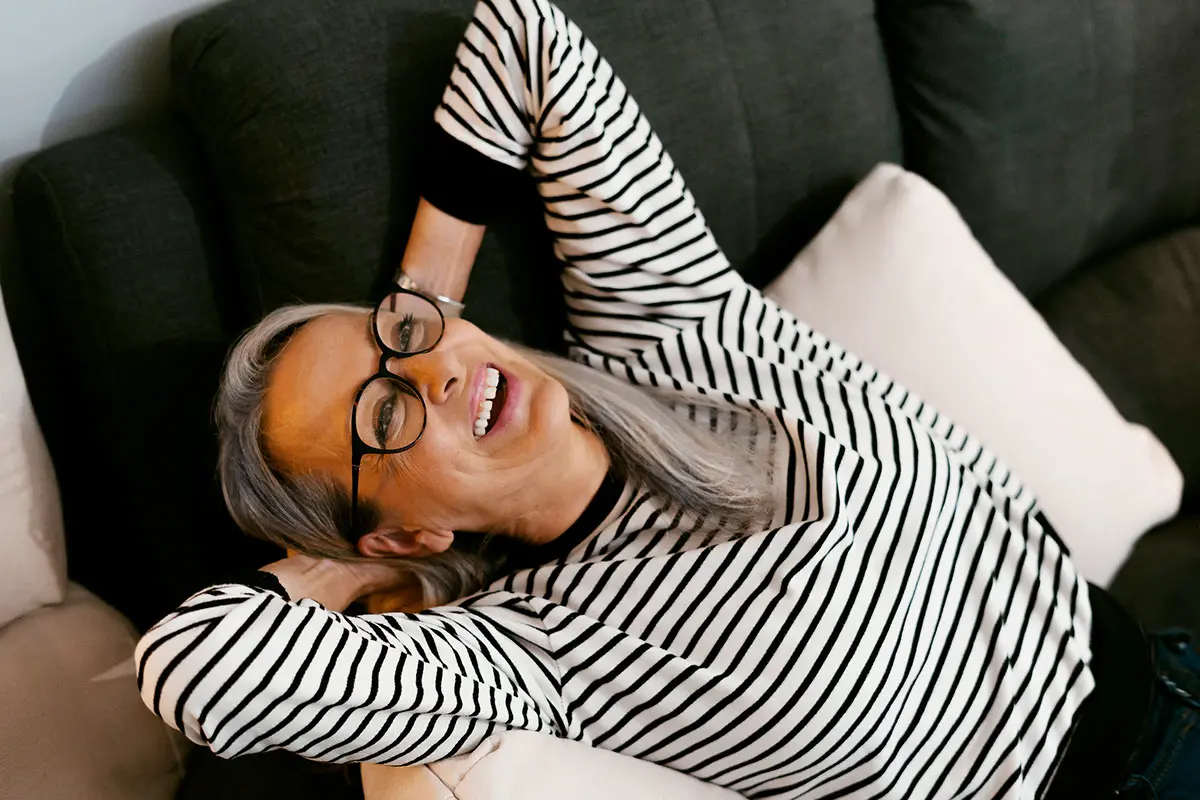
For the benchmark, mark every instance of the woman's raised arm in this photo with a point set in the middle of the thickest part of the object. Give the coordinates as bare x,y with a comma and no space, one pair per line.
530,92
441,251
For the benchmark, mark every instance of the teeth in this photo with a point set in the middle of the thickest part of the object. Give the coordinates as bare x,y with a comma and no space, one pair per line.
492,380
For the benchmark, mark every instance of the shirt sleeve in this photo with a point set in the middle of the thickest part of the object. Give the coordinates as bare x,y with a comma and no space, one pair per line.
643,273
529,91
241,670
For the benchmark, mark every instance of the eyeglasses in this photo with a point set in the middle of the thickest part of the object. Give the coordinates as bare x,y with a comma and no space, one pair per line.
389,415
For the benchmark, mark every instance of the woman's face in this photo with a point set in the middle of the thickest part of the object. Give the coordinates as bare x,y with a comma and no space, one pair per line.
506,481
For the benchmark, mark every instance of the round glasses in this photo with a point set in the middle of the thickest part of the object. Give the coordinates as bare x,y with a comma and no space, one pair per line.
388,415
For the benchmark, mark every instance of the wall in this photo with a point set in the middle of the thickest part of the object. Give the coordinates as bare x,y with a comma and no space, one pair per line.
73,67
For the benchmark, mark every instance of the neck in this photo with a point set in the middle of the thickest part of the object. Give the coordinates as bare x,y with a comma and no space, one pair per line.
576,483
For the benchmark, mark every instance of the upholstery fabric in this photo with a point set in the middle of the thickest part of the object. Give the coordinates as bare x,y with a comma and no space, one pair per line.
122,358
277,774
898,279
1134,323
33,569
73,724
1158,581
314,114
1062,131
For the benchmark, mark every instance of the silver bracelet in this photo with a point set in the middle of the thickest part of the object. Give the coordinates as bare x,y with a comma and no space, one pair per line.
449,306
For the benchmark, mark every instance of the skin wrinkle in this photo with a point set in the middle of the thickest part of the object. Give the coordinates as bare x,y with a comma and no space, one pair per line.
529,479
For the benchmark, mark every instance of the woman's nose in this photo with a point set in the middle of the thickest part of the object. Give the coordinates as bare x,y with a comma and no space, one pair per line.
436,374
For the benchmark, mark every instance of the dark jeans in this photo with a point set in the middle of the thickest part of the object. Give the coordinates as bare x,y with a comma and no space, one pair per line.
1167,764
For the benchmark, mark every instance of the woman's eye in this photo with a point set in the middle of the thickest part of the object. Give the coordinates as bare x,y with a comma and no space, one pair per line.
406,333
383,422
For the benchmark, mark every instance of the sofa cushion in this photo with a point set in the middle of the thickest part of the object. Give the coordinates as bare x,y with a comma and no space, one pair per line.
73,724
898,279
314,115
1158,582
1134,322
33,565
1061,130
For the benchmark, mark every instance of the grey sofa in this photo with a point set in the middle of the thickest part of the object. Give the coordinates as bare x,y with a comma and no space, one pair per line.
1067,133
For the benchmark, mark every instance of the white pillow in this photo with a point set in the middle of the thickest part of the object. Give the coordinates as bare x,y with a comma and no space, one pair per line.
897,278
519,765
32,556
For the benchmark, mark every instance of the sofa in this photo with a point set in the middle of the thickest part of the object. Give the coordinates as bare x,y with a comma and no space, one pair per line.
1067,135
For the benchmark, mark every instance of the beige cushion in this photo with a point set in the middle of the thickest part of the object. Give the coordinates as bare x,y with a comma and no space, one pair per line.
72,724
32,560
897,278
518,765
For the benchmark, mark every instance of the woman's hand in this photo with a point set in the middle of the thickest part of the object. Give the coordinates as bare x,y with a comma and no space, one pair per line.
336,584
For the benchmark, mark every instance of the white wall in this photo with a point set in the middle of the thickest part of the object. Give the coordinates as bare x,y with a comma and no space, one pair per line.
73,67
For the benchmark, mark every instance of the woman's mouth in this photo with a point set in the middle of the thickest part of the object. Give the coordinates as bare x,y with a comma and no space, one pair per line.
491,402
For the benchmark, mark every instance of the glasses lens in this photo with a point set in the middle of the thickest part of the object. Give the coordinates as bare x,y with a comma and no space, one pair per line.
390,415
408,323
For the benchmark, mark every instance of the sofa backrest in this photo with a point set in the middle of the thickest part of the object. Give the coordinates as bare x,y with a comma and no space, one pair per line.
1062,130
313,114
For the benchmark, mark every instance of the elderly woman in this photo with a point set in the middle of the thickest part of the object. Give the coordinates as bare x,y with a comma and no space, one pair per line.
714,539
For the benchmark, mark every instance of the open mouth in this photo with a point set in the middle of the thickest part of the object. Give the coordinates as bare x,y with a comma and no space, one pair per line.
491,404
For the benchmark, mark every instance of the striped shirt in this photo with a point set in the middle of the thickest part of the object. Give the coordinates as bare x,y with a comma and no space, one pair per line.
906,626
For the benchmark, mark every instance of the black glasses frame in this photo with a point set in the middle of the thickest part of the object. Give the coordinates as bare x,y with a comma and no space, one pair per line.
358,447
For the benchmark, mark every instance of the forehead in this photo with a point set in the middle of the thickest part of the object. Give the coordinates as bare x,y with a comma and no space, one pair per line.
310,392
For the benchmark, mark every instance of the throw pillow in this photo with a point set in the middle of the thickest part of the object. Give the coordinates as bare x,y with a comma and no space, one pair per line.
897,277
1132,322
32,555
519,765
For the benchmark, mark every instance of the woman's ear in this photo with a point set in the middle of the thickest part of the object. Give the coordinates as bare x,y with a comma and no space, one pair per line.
392,543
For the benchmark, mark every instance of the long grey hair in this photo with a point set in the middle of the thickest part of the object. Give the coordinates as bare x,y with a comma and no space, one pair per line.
706,473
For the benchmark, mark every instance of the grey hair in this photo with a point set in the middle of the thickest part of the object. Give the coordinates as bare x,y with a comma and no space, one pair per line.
703,469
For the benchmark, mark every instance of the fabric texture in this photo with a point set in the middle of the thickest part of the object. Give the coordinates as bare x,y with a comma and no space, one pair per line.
316,117
1062,131
898,557
1157,583
33,569
898,277
73,726
518,765
1134,322
126,318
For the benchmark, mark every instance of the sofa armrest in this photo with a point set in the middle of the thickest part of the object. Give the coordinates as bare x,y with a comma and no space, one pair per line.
122,314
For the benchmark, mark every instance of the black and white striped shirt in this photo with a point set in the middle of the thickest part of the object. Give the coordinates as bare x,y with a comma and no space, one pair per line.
905,628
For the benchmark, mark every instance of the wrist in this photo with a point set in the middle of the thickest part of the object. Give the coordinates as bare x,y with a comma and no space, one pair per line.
439,254
448,303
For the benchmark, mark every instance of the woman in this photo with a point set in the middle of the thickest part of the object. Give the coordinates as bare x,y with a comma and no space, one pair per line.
716,541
